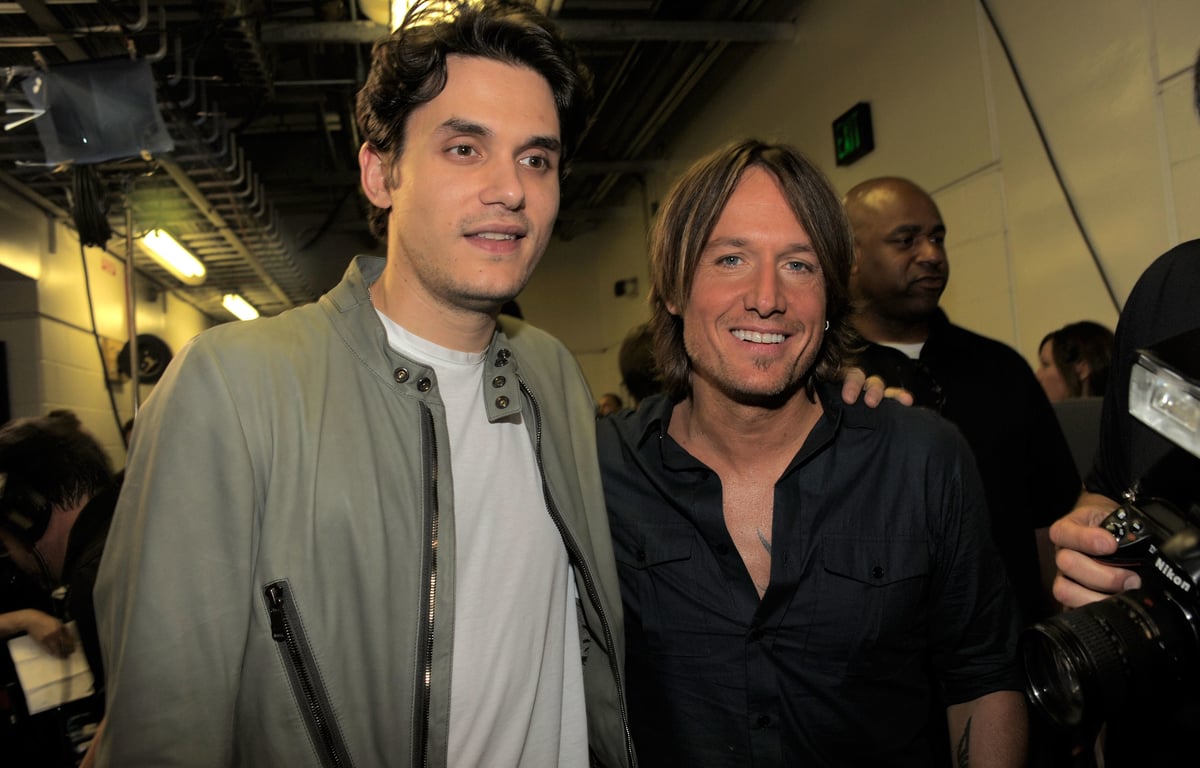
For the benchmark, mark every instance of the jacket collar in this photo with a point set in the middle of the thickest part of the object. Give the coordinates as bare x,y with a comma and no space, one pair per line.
360,327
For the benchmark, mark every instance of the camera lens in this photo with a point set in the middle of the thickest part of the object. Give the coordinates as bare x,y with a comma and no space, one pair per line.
1053,680
1116,655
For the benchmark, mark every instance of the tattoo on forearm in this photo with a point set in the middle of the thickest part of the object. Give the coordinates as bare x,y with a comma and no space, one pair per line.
964,746
763,540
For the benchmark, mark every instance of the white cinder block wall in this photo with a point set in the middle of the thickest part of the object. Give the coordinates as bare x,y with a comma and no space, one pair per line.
1110,81
47,326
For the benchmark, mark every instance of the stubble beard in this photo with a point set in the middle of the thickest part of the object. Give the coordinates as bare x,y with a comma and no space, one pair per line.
772,397
454,290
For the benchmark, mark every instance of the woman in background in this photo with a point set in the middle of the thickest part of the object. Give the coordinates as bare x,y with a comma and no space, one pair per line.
1074,372
1075,360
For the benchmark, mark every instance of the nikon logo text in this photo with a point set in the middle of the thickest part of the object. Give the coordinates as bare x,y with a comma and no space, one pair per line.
1169,572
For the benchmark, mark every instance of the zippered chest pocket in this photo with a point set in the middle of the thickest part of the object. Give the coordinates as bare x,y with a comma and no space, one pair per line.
312,699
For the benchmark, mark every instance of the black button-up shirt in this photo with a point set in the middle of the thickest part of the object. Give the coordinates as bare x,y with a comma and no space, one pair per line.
883,581
990,393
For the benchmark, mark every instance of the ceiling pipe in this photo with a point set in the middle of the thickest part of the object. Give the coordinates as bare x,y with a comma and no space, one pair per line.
206,210
576,29
161,53
121,28
39,12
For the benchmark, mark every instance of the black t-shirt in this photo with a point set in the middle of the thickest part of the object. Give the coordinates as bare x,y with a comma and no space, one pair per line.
81,563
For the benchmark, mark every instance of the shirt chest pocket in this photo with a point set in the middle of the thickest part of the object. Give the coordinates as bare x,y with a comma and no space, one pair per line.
871,610
665,592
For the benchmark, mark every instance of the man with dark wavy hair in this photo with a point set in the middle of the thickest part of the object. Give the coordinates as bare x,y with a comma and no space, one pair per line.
57,491
804,581
370,531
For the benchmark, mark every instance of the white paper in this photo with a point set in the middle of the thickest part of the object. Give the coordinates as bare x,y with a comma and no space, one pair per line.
49,681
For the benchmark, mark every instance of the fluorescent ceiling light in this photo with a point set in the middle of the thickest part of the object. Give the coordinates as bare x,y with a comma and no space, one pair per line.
377,10
173,257
400,8
240,308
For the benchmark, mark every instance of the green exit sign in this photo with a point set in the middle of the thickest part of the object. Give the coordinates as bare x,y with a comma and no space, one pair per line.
852,134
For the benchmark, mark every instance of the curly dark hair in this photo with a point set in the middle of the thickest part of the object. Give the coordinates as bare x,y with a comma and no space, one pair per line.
408,69
47,462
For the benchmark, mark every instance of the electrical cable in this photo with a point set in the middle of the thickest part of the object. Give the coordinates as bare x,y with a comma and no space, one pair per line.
328,222
1062,184
87,287
87,206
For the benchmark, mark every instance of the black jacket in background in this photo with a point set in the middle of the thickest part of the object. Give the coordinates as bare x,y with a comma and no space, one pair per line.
84,547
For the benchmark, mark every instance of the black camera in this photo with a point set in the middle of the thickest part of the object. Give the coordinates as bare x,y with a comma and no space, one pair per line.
1138,649
1138,652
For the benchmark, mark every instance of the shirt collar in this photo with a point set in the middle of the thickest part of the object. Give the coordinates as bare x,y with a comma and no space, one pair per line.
653,418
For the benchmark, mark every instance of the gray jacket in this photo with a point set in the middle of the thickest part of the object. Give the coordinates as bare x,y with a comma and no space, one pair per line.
278,585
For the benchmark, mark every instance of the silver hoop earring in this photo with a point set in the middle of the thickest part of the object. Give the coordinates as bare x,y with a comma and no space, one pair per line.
827,325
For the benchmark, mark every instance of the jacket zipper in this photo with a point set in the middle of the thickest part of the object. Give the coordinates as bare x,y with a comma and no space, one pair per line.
309,690
421,713
576,556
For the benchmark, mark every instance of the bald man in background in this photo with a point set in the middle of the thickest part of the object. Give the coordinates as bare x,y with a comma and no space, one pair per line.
983,386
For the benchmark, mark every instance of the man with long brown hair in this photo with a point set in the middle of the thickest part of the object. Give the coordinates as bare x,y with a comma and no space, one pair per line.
796,572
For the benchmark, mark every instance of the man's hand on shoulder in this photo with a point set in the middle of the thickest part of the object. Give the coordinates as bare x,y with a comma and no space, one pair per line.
1078,538
872,389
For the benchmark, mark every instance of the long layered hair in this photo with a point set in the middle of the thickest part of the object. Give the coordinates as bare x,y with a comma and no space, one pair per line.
686,222
1086,342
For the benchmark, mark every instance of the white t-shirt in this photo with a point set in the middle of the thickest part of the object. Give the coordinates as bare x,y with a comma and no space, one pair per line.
516,696
913,350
